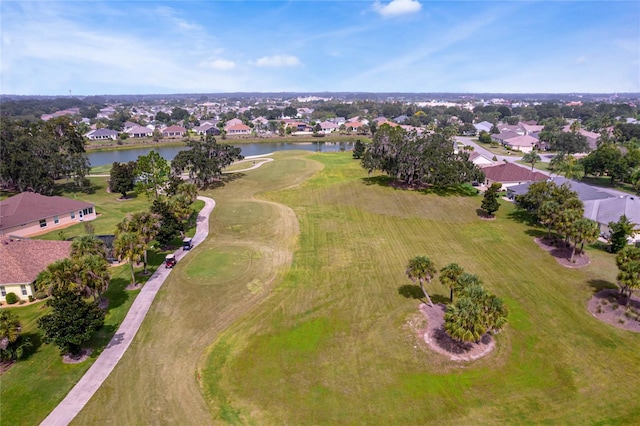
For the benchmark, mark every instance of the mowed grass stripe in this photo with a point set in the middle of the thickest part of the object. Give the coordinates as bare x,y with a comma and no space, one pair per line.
157,380
553,363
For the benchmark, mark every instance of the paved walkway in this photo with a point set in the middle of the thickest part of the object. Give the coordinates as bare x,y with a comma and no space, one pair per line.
82,392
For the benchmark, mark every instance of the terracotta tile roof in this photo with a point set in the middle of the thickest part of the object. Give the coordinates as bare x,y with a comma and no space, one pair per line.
28,207
508,172
23,260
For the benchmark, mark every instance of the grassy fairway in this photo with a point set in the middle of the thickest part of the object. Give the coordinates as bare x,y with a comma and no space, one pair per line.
327,341
250,244
332,346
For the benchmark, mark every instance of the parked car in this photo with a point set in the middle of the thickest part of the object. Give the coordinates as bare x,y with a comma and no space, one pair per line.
170,261
187,244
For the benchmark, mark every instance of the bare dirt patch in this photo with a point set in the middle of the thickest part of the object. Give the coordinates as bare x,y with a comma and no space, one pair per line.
609,306
77,358
562,253
439,341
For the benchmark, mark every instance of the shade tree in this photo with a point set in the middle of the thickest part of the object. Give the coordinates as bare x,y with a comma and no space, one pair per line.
122,177
72,321
205,159
490,202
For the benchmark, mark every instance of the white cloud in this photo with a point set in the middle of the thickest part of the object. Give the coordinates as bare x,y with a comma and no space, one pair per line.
397,7
276,61
219,64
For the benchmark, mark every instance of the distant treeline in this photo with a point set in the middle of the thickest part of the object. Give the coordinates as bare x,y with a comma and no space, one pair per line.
31,109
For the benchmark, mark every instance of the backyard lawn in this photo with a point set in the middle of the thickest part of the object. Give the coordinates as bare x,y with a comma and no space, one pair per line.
292,312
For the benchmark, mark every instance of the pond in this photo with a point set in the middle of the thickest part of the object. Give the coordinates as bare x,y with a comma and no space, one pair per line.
100,158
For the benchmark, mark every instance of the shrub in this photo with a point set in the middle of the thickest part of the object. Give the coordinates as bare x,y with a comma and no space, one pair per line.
22,302
12,298
31,299
41,295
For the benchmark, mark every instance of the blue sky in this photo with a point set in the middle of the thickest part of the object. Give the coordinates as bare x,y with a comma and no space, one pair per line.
142,47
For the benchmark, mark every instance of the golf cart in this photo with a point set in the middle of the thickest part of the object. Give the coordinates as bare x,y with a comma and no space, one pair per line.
187,244
170,261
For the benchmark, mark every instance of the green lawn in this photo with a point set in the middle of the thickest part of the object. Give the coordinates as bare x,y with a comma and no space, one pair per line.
237,336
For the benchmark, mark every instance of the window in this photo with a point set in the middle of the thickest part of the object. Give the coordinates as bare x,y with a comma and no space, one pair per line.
90,210
23,289
73,215
43,223
56,220
3,291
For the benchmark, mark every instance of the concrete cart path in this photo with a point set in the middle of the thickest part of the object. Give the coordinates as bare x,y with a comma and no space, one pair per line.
82,392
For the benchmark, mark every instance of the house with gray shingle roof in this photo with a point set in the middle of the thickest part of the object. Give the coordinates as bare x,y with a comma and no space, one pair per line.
102,134
612,209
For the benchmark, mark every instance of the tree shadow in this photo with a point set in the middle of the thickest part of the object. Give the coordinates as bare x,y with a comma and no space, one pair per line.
116,293
439,299
539,233
522,216
223,180
70,187
452,191
598,284
378,180
411,291
35,341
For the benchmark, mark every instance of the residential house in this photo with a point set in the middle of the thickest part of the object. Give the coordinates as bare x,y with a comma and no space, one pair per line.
401,119
609,210
129,125
483,125
585,192
207,129
29,214
238,129
23,260
328,127
102,134
173,131
480,160
233,122
509,174
139,132
525,143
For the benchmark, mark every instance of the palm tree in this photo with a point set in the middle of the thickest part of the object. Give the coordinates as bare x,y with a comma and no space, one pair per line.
10,328
87,245
146,225
571,168
531,157
449,276
61,275
129,246
583,231
548,214
628,262
464,321
421,269
467,281
95,274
